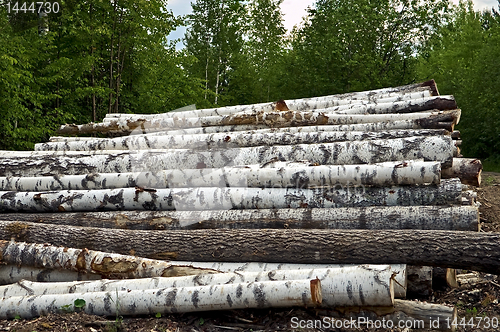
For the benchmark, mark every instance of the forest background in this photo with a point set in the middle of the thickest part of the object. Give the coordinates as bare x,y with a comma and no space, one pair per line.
93,57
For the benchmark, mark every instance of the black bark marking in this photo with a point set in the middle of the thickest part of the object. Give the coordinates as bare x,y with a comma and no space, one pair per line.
259,295
195,299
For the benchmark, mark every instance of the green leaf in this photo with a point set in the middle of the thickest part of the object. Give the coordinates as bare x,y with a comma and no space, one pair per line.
79,303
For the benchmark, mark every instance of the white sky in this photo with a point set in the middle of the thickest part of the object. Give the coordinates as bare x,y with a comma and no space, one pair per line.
293,11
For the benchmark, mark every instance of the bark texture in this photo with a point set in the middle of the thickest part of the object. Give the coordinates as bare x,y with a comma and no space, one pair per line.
287,176
268,119
10,274
169,300
194,199
107,265
419,281
226,141
467,170
432,148
349,286
462,250
418,314
457,218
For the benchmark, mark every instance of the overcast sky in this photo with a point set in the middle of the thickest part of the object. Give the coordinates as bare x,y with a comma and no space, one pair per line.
293,11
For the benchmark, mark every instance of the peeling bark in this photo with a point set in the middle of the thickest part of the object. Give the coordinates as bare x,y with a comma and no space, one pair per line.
225,140
107,265
461,250
364,285
45,163
286,176
170,300
269,119
457,218
194,199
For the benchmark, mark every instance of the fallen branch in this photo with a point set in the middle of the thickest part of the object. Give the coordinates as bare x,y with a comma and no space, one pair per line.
462,250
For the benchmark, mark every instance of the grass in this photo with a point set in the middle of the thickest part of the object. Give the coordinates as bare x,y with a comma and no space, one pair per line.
491,164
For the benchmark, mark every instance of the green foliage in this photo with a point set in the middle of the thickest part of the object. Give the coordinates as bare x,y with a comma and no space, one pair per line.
463,58
79,303
350,46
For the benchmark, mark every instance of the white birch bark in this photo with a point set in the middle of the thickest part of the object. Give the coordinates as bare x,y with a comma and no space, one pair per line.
413,91
10,274
453,218
270,294
44,163
383,174
194,199
305,104
105,264
362,285
269,119
225,140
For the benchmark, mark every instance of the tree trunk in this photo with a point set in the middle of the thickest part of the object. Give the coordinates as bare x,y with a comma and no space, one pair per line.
462,250
383,174
225,140
457,218
107,265
269,119
401,103
48,163
10,274
364,285
171,300
210,198
417,315
419,282
420,90
467,170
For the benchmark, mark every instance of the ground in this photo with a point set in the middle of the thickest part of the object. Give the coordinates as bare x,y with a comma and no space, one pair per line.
479,298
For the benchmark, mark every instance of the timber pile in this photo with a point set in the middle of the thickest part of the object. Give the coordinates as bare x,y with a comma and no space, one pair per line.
186,201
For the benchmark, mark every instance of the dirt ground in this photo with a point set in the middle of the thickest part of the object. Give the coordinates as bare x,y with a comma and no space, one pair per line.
477,299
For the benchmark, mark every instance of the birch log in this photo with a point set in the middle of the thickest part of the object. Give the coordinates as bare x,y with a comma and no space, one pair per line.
10,274
269,119
437,122
224,140
461,250
364,285
171,300
384,174
305,104
457,218
413,91
433,148
467,170
195,199
411,315
107,265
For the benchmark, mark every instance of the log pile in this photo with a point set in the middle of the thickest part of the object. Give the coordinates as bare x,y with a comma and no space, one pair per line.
188,200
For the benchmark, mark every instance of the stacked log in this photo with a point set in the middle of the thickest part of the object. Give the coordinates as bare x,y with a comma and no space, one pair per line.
374,177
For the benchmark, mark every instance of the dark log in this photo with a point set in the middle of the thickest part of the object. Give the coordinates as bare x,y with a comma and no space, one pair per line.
462,250
443,278
458,218
455,135
467,170
419,282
